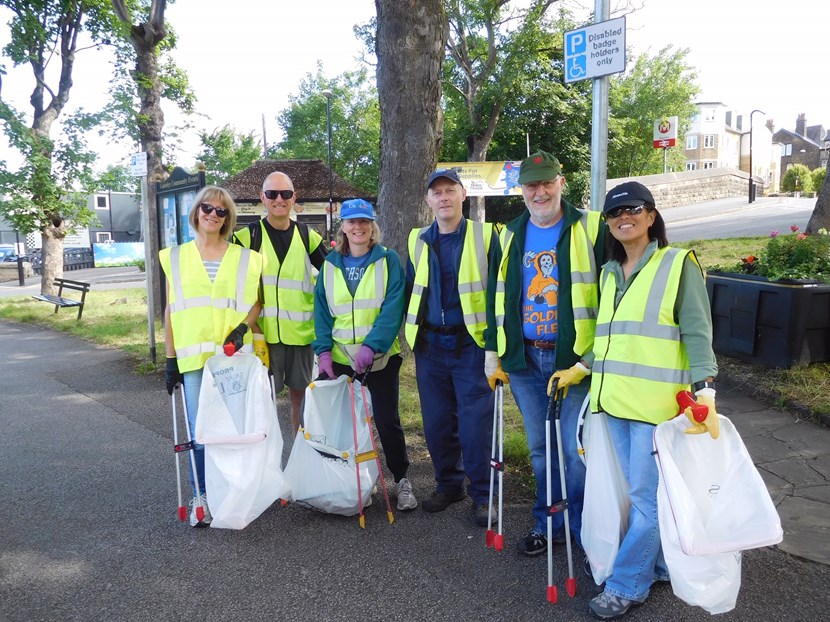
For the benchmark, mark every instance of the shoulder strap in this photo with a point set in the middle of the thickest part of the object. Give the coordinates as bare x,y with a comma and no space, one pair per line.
256,235
304,236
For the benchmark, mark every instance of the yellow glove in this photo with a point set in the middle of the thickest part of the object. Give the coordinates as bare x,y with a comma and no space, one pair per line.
261,349
711,424
567,378
493,370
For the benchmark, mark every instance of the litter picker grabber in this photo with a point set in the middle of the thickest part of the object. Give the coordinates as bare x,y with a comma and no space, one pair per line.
200,510
368,455
179,448
491,538
555,408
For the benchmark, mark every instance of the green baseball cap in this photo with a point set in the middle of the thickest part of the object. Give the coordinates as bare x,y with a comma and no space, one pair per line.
539,166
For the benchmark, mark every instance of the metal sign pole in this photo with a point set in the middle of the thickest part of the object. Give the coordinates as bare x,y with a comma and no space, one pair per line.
148,259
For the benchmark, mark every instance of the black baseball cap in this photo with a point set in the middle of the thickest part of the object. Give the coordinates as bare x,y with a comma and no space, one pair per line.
628,194
447,173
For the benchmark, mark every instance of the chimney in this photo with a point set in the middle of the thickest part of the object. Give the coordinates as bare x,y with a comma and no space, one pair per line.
801,125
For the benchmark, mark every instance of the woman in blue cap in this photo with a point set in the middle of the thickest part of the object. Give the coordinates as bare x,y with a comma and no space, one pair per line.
358,310
653,339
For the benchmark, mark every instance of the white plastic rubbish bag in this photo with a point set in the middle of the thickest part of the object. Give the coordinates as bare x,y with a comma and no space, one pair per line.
711,582
606,506
712,504
237,423
322,469
718,499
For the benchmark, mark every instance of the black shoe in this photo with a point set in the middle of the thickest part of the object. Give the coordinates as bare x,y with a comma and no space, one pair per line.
439,501
481,513
586,566
533,544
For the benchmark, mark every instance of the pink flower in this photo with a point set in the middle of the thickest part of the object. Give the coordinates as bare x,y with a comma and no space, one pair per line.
773,233
793,228
800,236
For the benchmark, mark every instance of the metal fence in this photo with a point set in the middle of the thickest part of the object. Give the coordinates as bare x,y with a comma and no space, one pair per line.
73,259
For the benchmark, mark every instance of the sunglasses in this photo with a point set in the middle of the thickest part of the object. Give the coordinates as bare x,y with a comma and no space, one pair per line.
631,210
273,194
207,208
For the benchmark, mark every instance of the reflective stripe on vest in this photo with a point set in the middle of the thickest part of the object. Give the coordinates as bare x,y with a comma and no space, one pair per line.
472,280
641,364
584,291
354,316
203,313
288,292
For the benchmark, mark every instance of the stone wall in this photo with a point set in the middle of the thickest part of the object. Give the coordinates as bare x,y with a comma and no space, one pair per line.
8,270
673,189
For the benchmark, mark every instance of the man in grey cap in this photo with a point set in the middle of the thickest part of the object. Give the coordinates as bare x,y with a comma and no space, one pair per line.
541,318
447,273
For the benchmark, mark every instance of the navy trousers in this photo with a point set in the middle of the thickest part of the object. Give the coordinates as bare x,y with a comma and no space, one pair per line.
457,409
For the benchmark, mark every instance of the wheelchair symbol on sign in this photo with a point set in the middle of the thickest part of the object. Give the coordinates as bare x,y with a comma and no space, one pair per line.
576,67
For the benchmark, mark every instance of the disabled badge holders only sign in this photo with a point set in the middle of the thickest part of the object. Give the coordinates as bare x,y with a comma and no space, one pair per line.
595,51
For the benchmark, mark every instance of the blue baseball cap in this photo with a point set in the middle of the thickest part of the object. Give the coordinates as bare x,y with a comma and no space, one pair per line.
356,208
446,173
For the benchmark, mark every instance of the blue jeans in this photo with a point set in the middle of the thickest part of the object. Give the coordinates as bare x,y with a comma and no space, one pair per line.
192,387
457,409
529,387
640,560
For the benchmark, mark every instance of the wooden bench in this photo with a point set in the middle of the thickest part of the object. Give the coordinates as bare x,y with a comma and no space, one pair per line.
59,300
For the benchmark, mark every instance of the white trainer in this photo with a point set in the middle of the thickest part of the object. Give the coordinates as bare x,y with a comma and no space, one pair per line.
406,498
195,522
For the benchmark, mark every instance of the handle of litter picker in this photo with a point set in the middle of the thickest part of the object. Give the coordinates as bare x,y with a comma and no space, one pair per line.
229,349
685,399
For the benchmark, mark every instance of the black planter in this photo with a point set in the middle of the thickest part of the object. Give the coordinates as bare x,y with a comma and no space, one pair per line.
769,323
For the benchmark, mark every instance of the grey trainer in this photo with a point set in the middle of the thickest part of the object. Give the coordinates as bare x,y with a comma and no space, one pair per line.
406,498
609,607
195,522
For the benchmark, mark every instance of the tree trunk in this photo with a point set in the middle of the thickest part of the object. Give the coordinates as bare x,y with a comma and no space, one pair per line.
411,35
820,217
477,152
145,37
150,91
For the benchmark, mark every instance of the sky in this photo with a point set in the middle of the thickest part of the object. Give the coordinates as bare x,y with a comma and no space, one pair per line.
245,61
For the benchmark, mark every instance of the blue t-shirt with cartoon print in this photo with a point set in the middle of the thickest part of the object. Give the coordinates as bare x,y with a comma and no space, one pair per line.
540,282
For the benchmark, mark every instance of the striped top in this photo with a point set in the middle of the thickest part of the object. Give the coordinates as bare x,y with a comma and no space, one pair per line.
212,268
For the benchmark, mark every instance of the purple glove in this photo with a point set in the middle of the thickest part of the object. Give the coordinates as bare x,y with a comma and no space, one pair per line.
325,365
364,359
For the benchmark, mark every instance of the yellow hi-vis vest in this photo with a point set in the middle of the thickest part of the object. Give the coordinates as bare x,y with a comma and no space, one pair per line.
472,280
584,291
202,314
641,364
287,289
355,315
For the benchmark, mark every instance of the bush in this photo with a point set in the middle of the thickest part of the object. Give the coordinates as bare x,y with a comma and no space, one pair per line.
796,256
797,179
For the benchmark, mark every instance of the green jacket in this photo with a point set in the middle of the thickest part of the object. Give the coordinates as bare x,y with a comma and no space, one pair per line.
514,356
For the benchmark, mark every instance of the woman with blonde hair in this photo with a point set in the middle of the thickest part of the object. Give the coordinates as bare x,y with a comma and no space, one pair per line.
212,289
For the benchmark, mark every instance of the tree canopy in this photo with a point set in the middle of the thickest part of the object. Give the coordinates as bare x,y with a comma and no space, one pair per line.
225,152
355,126
657,86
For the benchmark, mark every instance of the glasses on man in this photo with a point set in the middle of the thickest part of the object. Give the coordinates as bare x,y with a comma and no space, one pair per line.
207,208
631,210
273,194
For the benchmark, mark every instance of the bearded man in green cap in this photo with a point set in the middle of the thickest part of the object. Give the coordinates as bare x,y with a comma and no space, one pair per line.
542,305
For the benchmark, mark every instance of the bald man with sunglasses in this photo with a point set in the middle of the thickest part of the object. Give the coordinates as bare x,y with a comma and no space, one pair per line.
291,251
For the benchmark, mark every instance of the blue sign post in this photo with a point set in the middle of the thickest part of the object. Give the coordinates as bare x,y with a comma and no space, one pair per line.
595,50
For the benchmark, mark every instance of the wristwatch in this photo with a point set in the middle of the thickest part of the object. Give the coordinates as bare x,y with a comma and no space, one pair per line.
703,384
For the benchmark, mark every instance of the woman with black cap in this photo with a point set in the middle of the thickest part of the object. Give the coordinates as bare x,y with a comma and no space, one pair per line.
653,339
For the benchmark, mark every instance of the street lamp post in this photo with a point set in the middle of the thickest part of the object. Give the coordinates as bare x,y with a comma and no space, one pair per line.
329,214
751,180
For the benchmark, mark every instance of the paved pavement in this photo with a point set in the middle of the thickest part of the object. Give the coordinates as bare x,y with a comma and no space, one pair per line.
88,529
